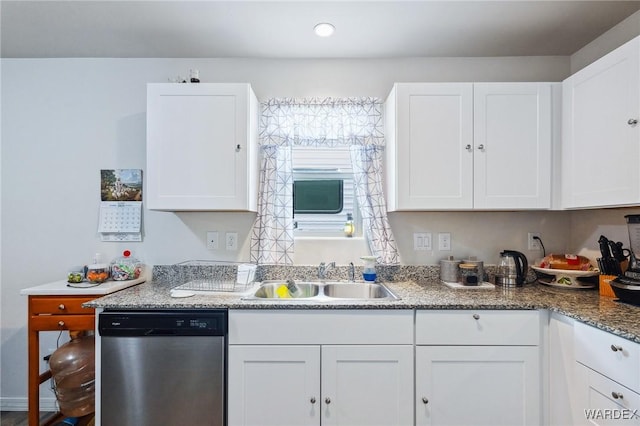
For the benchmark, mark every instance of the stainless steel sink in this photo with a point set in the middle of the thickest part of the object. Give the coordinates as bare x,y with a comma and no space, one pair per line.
325,291
357,291
269,290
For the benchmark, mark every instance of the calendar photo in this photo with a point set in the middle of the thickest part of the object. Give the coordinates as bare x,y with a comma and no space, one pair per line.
121,185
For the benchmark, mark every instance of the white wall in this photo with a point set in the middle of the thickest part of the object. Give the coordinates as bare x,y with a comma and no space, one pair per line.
615,37
65,119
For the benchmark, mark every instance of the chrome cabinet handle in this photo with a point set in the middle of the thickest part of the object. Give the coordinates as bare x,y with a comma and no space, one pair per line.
60,323
327,400
481,146
616,348
468,147
616,395
313,400
632,121
476,316
62,307
425,400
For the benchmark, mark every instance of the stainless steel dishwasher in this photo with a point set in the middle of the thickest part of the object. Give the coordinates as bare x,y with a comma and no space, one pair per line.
163,367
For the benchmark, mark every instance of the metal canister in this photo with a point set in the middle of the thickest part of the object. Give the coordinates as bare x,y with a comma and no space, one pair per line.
473,260
449,270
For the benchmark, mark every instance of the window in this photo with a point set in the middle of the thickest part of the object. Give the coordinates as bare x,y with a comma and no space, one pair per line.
350,126
323,191
318,196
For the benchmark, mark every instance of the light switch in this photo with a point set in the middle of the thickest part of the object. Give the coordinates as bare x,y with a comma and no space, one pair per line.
422,241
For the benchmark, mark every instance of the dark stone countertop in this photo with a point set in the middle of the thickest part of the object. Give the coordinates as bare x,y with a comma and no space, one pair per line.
428,293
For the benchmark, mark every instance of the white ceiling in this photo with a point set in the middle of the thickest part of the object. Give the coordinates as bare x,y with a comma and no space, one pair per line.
283,29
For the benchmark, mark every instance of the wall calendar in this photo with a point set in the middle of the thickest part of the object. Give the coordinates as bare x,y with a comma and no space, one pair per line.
121,205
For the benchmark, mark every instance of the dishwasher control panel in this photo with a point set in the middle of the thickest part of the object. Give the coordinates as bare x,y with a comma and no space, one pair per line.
149,323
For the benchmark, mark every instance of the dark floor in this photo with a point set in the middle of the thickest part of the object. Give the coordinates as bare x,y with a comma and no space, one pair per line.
19,418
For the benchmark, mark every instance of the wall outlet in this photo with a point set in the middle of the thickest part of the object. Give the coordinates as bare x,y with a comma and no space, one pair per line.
231,241
532,243
212,240
444,241
422,241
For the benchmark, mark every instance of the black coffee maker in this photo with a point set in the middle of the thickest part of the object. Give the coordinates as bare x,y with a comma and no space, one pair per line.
627,286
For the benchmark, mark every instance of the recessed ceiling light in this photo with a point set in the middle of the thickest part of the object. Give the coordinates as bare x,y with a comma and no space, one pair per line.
324,29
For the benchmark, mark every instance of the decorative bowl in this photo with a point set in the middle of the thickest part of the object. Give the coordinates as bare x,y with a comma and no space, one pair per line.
564,278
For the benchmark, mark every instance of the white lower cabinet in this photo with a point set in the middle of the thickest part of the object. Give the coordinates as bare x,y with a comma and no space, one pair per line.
604,401
385,367
477,385
485,371
290,385
311,367
607,376
367,385
274,385
565,408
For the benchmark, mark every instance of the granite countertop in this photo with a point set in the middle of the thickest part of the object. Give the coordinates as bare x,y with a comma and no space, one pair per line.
583,305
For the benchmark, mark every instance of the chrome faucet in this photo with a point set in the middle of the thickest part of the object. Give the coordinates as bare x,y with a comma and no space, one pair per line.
323,268
352,272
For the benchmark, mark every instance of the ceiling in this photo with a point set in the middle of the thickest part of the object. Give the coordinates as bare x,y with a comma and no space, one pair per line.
283,29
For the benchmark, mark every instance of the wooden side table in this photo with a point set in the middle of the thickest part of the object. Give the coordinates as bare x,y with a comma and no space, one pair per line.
51,313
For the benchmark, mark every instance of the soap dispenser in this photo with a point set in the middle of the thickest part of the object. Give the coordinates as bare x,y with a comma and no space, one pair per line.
369,271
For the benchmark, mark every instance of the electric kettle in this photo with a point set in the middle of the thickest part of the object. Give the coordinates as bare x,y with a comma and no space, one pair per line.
512,268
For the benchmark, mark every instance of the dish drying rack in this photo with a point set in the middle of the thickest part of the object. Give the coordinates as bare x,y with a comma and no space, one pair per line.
216,276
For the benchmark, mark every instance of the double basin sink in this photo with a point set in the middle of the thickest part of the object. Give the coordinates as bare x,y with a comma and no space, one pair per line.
321,291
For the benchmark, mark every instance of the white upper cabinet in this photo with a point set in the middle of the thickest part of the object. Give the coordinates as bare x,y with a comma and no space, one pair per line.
512,142
201,147
464,146
601,134
429,136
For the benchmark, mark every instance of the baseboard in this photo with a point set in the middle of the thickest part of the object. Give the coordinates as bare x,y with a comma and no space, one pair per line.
21,404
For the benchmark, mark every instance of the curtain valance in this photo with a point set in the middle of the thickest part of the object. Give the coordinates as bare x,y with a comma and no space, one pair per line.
322,122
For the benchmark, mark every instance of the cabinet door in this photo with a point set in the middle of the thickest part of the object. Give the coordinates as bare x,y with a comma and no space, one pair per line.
201,147
431,151
274,386
603,401
601,149
512,146
367,385
477,385
564,404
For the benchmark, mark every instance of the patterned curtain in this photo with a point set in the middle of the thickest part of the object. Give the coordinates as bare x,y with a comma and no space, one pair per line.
272,236
323,123
367,171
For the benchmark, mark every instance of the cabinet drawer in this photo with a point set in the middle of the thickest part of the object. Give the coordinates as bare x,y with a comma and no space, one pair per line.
318,327
478,327
59,305
608,354
63,322
606,397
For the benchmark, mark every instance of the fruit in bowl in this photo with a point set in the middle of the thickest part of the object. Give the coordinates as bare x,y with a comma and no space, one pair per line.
98,273
75,277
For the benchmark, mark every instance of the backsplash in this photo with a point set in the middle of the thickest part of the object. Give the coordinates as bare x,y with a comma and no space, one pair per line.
174,275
